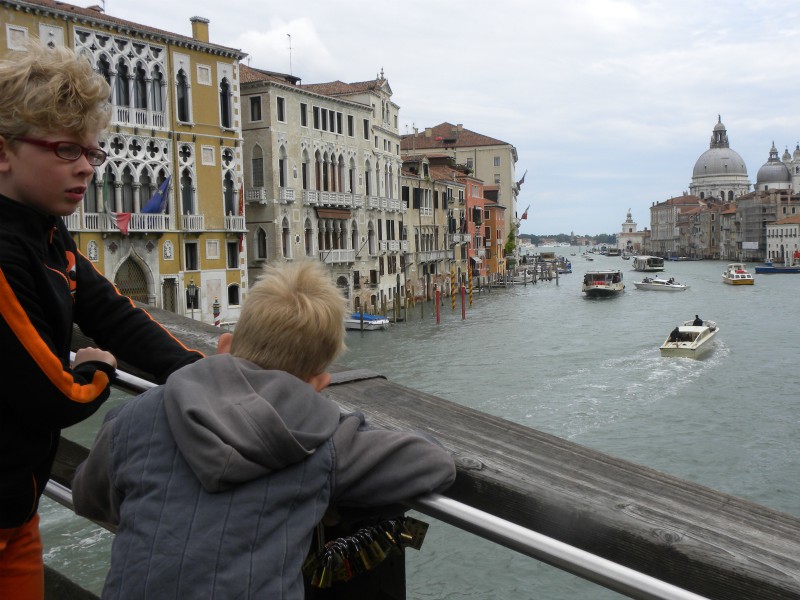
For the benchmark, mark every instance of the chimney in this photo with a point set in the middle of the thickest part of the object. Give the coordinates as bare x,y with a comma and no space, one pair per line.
428,132
459,127
200,29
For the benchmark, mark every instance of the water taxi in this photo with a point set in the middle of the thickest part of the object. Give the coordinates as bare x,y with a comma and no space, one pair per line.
648,263
690,340
737,274
603,283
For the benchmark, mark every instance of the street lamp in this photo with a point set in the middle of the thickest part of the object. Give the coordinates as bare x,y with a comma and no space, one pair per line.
191,295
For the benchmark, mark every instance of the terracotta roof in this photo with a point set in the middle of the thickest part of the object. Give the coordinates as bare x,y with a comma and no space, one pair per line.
340,88
251,75
792,220
447,135
106,19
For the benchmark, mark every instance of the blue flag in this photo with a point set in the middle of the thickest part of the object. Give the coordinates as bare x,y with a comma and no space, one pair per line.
158,203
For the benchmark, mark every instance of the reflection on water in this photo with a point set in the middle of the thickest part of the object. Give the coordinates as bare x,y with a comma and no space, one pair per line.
589,371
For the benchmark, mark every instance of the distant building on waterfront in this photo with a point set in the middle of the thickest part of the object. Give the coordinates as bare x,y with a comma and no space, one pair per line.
174,128
629,239
721,218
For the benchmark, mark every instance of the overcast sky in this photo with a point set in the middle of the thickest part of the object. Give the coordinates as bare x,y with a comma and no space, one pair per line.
609,103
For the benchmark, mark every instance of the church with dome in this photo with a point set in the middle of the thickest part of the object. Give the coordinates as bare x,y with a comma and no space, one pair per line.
719,172
721,216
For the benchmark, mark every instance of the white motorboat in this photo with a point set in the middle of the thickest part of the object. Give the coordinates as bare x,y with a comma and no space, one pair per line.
660,284
365,322
603,283
690,340
737,274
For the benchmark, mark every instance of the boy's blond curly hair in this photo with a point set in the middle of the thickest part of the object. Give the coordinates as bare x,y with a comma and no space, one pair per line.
292,320
48,90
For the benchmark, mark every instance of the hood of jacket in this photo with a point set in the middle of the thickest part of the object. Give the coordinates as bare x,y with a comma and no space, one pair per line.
234,421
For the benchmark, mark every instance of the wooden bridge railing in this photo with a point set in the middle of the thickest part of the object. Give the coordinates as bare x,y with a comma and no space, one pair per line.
710,543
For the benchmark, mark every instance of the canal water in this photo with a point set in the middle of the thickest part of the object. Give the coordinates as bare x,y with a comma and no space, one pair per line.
587,370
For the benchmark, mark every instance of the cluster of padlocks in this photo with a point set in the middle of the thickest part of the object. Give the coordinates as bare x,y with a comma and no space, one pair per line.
344,558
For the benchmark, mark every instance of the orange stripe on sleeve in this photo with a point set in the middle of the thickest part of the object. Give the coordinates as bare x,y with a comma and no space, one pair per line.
50,364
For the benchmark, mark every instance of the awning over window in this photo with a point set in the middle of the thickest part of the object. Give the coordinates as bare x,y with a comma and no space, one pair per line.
333,213
476,260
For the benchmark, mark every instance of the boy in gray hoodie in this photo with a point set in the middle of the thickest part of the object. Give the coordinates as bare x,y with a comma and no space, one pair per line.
217,479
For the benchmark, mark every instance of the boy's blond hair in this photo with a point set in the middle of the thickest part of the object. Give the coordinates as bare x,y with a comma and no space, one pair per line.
49,90
292,320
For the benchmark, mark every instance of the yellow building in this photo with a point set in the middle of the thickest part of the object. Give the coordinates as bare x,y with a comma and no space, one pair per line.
175,126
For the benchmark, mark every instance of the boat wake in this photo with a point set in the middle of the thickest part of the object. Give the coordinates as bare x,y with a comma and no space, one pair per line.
618,388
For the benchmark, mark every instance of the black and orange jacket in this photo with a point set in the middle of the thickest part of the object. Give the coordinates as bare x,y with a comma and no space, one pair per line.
46,285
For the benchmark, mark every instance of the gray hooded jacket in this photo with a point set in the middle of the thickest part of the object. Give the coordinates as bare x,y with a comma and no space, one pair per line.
217,479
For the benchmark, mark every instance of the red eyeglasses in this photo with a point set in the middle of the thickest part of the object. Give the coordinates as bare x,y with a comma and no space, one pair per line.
69,150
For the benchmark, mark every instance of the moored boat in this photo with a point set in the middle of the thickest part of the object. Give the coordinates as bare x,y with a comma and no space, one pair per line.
690,340
603,283
660,284
768,268
365,321
737,274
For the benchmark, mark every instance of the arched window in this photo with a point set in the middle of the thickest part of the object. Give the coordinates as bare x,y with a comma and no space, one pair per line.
351,177
157,87
140,89
282,167
90,197
123,94
354,236
367,180
286,239
182,97
261,243
234,294
309,237
304,170
104,67
225,104
228,195
371,240
257,166
127,190
146,189
187,193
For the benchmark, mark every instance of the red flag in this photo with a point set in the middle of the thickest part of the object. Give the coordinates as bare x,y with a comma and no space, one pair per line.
123,220
241,214
524,216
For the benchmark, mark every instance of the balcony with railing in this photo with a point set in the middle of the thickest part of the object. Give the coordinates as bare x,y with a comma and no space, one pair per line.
432,255
235,223
138,117
139,222
337,256
310,197
285,195
255,194
193,222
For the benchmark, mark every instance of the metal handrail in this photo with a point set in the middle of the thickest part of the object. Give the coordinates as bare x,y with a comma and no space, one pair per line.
590,567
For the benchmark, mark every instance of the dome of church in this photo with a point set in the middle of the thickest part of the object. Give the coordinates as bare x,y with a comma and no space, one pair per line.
796,153
719,159
773,171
